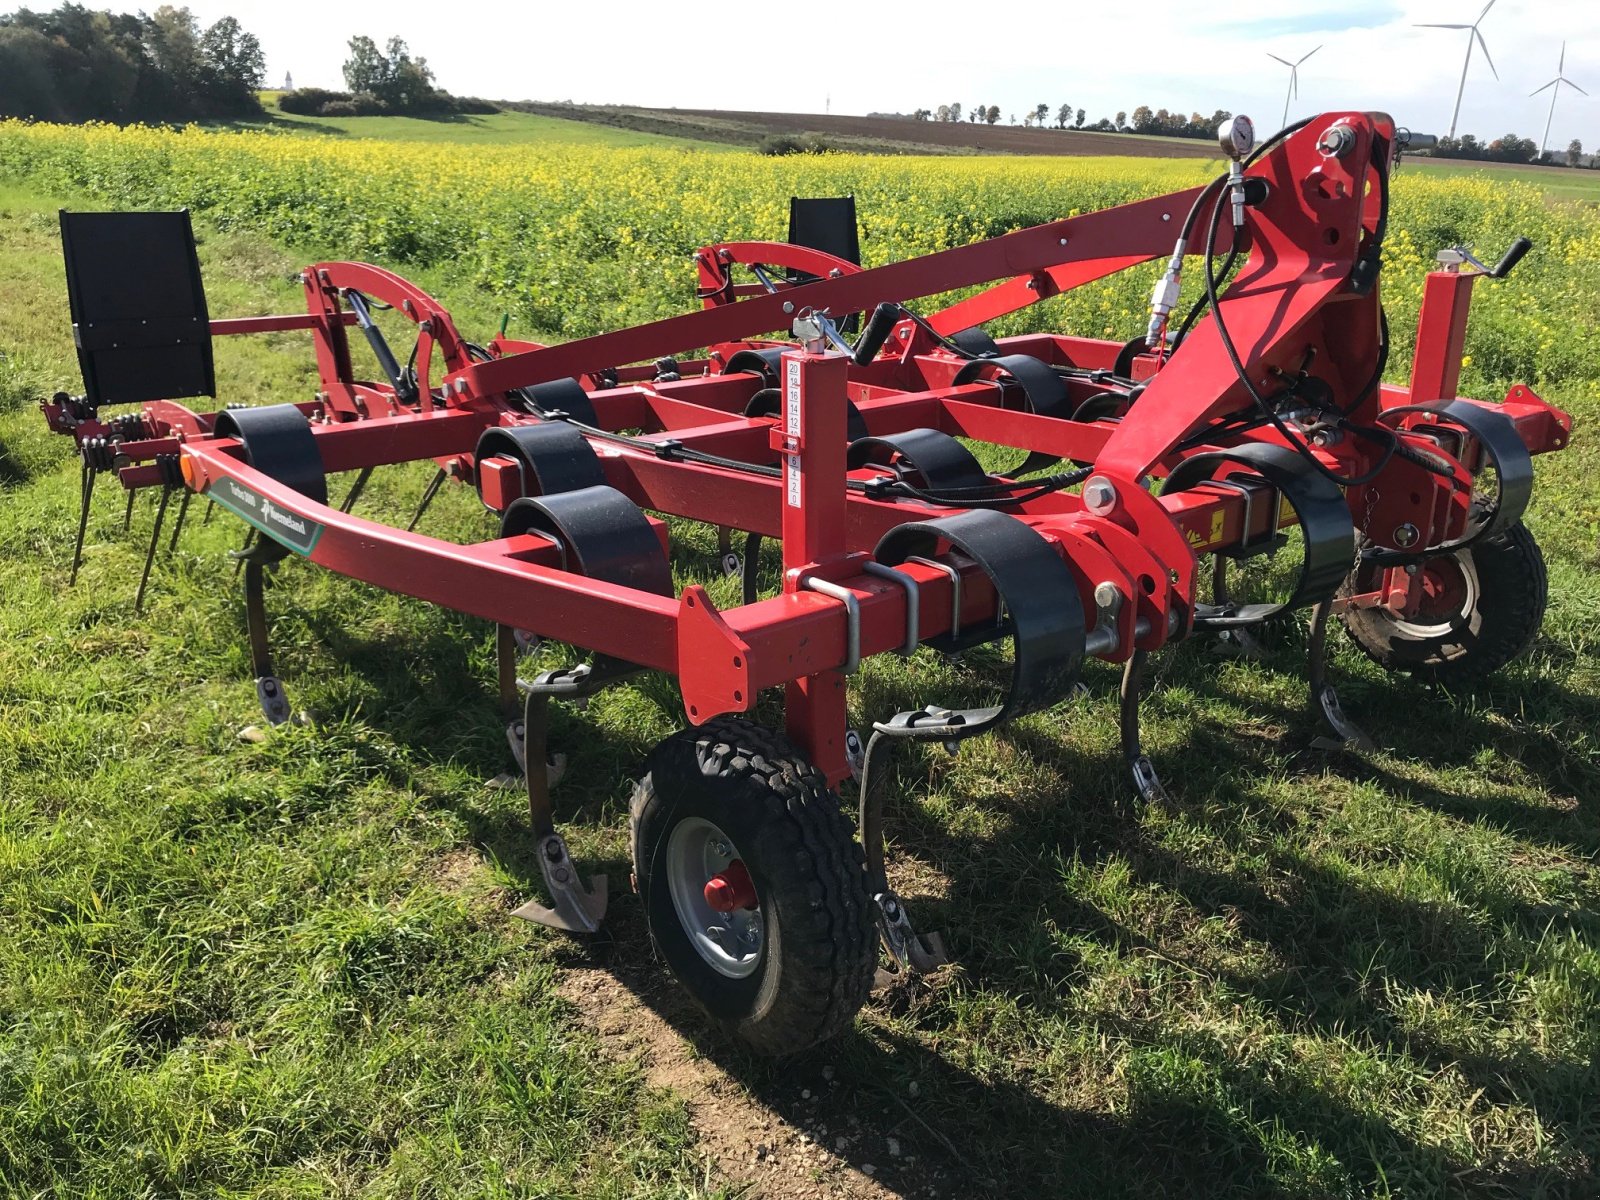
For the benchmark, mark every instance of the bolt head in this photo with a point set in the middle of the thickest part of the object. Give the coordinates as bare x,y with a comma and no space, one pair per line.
1099,495
1106,595
1405,535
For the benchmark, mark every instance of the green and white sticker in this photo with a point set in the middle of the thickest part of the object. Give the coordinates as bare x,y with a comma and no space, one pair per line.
298,533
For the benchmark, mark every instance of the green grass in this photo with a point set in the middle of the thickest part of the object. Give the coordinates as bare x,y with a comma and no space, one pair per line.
287,969
1559,183
501,128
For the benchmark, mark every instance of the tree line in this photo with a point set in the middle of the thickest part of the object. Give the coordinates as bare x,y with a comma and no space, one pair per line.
74,64
381,82
1065,116
1511,148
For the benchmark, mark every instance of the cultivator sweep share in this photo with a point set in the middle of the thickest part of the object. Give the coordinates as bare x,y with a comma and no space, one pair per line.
1259,420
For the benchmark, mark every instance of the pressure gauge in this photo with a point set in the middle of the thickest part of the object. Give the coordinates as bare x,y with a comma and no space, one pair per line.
1237,137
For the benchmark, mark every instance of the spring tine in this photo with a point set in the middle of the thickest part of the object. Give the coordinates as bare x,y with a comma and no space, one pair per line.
211,511
127,513
1347,735
1145,778
177,526
150,554
356,490
85,491
428,494
243,552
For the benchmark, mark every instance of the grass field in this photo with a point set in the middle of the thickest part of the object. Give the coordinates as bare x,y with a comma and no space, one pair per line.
477,129
286,968
1557,182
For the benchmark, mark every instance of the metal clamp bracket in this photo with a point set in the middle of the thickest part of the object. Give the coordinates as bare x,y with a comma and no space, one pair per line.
913,601
852,613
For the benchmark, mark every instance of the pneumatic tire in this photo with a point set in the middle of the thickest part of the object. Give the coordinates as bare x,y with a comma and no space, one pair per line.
793,967
1488,601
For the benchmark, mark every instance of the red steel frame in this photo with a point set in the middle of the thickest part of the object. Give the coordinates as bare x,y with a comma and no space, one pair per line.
1291,301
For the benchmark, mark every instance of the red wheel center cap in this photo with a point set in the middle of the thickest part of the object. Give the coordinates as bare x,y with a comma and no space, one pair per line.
1444,591
731,888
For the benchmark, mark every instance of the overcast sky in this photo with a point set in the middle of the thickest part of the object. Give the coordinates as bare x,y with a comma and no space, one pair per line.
1104,57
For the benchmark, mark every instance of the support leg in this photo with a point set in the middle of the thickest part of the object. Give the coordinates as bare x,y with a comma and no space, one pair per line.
428,493
356,489
269,689
1324,700
1145,778
150,554
85,493
579,907
177,526
913,951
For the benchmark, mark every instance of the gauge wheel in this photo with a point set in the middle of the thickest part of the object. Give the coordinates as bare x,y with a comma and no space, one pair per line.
1481,607
753,884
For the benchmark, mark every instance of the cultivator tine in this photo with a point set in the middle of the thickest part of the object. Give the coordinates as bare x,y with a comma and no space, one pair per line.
356,489
127,513
1145,777
242,554
913,951
269,688
732,566
1324,699
579,907
428,494
150,554
211,511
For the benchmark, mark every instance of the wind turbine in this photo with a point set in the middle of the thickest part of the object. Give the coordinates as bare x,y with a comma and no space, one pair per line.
1294,80
1556,83
1473,36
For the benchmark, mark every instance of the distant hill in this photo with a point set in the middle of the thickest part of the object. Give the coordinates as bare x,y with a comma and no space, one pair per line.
868,135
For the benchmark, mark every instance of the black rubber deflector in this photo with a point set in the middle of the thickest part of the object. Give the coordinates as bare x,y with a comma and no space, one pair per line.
1498,436
603,535
1046,391
1043,616
765,363
768,402
563,395
928,459
276,439
554,457
1319,505
976,343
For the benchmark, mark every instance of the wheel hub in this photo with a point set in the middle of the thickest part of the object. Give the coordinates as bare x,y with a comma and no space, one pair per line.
731,888
715,897
1444,589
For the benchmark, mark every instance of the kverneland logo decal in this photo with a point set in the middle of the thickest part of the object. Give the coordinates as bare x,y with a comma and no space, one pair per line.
297,532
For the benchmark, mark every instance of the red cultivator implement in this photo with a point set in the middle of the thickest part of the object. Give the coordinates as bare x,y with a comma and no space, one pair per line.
1260,420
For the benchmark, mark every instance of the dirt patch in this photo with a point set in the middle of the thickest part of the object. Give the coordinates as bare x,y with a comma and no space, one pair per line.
811,1132
462,872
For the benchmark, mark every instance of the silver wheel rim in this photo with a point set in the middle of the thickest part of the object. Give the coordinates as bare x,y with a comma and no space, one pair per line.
1463,614
732,942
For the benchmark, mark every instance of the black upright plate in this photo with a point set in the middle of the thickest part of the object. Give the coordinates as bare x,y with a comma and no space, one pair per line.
138,308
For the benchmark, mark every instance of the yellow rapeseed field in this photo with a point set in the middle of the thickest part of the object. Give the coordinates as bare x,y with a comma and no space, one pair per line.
574,240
